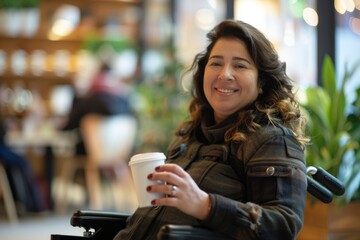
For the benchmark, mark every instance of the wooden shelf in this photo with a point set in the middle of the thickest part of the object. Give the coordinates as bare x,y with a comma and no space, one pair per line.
10,44
46,77
99,12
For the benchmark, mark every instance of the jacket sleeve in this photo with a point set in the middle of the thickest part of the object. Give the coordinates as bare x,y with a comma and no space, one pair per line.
275,182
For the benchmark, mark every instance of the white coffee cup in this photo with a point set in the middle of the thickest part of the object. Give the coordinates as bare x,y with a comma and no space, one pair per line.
141,166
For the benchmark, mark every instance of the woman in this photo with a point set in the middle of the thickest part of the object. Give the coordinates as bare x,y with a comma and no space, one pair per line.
106,97
237,167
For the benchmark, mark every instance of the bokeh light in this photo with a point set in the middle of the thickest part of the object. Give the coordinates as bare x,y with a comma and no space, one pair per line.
310,16
354,24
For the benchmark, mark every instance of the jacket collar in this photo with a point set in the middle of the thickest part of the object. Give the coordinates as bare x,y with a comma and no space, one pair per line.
214,133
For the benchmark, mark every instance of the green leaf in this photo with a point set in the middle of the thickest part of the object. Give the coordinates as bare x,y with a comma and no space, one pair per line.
329,76
319,103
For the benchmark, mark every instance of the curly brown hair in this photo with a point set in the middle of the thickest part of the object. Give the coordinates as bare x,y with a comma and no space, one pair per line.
276,105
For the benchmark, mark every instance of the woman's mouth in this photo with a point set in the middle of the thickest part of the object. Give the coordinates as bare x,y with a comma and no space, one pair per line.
224,90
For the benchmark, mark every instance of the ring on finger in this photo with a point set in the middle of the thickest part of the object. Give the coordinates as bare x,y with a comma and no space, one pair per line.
174,189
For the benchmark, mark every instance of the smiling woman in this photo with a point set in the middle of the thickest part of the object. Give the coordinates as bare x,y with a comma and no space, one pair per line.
230,79
237,166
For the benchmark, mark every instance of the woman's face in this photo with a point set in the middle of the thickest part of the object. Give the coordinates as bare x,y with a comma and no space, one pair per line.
230,78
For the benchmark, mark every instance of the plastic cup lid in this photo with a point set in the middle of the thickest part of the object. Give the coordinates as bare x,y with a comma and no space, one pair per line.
143,157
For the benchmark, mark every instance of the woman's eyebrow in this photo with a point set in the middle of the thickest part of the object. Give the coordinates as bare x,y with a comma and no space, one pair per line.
216,56
242,59
234,58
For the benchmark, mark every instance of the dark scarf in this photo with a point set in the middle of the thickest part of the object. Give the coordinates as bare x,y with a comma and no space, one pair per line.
211,132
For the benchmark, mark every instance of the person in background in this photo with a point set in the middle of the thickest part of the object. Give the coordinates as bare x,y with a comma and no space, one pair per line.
24,186
105,96
237,166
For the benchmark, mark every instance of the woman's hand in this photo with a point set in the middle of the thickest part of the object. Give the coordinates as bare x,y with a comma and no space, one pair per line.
183,193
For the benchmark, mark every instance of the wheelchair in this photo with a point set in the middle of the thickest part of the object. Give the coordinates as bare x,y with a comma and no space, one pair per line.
101,225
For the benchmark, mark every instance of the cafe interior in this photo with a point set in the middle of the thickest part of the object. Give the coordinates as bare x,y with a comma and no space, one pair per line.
50,50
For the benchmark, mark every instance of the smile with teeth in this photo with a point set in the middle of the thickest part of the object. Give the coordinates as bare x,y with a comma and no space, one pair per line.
223,90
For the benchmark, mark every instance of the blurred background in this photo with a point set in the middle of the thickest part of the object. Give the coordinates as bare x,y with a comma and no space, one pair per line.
51,51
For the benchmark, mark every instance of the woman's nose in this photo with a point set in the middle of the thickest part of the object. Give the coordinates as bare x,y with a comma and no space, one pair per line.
226,73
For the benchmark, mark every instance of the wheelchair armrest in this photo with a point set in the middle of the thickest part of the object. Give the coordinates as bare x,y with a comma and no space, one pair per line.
98,225
92,219
180,232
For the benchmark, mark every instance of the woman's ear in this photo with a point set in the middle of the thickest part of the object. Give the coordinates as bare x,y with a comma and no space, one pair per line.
260,85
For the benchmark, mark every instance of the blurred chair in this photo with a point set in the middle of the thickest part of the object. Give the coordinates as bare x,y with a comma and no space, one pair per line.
6,194
109,141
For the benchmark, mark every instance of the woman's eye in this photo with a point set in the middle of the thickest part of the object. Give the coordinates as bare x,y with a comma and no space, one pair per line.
239,65
214,64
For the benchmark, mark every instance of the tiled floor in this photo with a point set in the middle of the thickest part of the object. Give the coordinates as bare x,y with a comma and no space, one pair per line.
38,227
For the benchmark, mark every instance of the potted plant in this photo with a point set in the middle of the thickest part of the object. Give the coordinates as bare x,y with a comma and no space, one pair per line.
10,13
7,4
19,17
30,3
95,44
351,172
332,124
31,17
162,107
334,129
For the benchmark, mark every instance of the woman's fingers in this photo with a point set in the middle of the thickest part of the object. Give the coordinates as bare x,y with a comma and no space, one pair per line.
173,168
167,177
171,174
194,202
181,190
168,190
